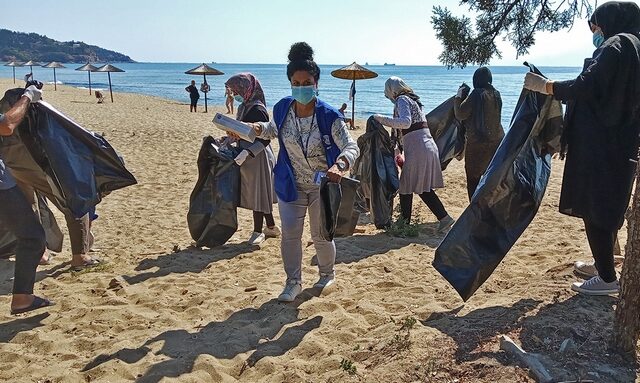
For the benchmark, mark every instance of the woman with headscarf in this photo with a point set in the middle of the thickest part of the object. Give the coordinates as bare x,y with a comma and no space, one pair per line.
481,113
600,137
314,142
256,159
421,172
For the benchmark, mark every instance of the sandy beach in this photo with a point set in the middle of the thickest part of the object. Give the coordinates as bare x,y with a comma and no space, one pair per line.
158,310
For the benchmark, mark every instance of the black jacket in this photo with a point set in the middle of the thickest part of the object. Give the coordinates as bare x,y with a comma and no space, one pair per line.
602,122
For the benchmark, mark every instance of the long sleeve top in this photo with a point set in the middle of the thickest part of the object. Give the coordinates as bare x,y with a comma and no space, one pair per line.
303,142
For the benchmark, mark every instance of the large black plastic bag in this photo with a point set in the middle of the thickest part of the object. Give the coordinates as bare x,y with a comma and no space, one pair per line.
337,204
212,216
447,131
81,165
376,170
507,198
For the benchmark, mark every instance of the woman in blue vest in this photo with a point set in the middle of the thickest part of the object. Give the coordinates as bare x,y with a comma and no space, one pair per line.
314,141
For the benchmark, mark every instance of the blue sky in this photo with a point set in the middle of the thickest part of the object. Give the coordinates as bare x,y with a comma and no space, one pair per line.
261,31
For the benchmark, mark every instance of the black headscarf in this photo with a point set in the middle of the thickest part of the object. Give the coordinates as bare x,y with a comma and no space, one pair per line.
482,78
616,17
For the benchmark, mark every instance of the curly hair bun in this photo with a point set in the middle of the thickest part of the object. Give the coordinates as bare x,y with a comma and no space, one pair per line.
300,52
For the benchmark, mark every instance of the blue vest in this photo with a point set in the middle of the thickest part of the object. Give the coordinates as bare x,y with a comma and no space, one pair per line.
284,180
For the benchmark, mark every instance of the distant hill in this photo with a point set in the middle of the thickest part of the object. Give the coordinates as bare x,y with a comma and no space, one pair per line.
32,46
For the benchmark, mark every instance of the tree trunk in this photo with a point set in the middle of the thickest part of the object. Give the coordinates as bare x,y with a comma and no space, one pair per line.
627,317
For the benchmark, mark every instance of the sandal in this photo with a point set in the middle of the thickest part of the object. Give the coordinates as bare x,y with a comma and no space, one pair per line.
91,262
37,303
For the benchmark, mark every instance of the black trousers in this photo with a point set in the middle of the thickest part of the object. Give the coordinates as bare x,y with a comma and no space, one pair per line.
429,198
602,242
17,216
258,221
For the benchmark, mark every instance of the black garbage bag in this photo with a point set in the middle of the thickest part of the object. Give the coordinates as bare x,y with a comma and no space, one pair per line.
376,170
81,166
337,203
507,198
52,231
448,132
212,216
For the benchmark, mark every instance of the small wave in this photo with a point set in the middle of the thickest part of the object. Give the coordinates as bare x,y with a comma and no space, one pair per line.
92,88
57,82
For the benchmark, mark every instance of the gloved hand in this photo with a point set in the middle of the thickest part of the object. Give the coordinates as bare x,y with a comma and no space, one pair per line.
460,93
536,83
242,157
34,94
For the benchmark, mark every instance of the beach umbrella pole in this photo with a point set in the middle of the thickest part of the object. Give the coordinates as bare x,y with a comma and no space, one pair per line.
110,91
14,75
55,82
353,105
205,94
89,82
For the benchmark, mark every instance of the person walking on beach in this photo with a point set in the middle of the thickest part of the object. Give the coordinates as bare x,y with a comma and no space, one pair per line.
194,95
600,137
314,140
256,160
481,113
18,218
421,173
229,100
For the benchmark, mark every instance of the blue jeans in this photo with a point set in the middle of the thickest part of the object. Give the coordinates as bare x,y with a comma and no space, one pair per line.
17,216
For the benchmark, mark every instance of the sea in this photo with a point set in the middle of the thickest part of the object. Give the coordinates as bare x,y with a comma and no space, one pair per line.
434,84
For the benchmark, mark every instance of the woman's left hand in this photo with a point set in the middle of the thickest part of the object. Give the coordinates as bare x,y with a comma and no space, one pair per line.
334,174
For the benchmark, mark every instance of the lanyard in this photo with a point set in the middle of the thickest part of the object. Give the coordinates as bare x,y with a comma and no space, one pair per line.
303,146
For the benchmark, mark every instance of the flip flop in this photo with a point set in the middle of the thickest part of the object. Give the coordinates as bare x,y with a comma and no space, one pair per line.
92,262
37,303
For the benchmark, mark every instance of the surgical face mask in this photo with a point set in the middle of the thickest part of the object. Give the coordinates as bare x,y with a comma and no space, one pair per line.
303,94
598,39
238,98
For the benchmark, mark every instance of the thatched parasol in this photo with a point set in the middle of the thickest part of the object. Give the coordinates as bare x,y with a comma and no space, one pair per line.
31,64
54,65
109,68
88,68
353,72
13,64
204,70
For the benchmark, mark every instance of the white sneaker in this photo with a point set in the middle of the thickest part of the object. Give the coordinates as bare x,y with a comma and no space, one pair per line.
325,281
290,292
256,238
596,286
585,269
272,232
446,223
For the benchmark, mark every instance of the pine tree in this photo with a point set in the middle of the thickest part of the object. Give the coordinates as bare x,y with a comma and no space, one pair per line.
515,20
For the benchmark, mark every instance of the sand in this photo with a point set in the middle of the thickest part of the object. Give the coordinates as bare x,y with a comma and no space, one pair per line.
161,311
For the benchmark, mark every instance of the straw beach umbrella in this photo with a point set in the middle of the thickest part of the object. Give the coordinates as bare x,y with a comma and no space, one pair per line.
204,70
353,72
109,68
54,65
31,64
88,68
13,64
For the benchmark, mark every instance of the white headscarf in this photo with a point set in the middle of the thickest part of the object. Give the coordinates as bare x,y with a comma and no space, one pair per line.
394,87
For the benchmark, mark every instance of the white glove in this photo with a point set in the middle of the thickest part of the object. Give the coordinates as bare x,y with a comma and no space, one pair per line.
535,83
241,158
34,94
460,93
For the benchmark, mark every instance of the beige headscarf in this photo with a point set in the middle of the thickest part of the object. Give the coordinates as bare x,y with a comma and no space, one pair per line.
395,87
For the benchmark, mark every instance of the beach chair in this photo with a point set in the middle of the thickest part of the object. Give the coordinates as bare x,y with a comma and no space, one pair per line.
99,96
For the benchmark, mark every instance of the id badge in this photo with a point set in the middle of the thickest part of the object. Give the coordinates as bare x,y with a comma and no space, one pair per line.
317,177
